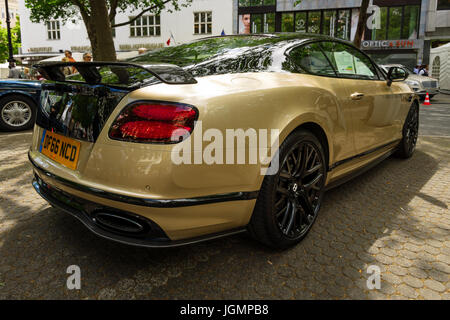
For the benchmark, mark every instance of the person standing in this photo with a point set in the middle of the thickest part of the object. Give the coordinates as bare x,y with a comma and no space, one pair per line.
87,57
68,58
14,72
416,69
424,71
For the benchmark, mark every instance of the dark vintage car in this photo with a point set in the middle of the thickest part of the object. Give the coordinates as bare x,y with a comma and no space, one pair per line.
18,103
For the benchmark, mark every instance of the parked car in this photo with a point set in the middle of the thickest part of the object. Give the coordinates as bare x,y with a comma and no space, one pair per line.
105,141
420,84
18,103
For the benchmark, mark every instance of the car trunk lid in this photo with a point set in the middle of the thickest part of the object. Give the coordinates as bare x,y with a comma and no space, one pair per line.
74,108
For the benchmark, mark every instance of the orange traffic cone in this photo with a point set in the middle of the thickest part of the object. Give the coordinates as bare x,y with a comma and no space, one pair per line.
427,100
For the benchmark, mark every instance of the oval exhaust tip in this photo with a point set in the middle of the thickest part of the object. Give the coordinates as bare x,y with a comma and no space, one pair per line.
119,223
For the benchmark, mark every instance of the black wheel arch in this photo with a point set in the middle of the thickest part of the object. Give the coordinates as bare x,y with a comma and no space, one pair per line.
21,94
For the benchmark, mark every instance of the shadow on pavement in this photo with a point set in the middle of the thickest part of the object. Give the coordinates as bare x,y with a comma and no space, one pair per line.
356,220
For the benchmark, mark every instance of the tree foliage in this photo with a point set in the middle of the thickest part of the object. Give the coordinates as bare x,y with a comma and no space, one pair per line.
15,37
98,16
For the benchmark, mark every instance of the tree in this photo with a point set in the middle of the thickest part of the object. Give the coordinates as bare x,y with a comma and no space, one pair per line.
363,17
15,37
98,17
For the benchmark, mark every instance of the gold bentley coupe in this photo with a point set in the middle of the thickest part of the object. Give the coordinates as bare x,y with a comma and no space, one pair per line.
216,137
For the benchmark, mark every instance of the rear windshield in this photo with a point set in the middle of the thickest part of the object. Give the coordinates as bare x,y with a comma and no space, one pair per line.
221,55
203,50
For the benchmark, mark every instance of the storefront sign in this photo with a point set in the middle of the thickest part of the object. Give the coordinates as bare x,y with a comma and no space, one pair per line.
80,48
142,45
40,50
392,44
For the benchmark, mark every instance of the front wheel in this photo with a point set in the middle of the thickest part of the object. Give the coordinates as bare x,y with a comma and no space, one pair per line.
410,133
289,201
17,113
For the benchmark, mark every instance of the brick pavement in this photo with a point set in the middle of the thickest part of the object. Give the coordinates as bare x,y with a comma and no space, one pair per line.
395,216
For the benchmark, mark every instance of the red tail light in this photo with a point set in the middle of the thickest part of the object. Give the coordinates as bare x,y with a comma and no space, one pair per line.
154,122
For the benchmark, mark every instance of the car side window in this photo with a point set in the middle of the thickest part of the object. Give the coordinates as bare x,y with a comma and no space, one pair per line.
312,59
349,62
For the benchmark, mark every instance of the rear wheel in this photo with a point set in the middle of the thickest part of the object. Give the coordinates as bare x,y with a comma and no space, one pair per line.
289,201
410,133
17,113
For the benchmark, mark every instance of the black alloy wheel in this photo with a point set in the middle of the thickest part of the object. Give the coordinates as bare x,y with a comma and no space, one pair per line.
299,190
410,133
290,200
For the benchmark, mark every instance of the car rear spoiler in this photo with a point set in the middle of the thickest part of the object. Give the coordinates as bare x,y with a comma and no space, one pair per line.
114,73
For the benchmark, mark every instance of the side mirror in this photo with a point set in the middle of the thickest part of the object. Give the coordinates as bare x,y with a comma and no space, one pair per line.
396,74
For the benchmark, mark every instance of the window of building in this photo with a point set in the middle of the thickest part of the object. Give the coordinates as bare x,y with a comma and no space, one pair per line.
329,22
257,23
301,19
381,33
395,23
344,24
53,30
146,26
314,21
287,22
411,22
443,5
202,22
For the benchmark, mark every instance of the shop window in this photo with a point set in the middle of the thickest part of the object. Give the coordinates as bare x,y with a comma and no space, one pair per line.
269,23
314,21
301,19
329,22
436,69
257,23
443,5
344,24
381,33
411,22
395,23
287,22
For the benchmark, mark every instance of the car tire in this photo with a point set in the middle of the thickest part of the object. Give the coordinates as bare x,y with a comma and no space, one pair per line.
410,133
289,201
17,113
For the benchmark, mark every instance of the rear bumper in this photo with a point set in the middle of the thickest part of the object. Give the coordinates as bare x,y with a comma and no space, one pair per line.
168,223
86,211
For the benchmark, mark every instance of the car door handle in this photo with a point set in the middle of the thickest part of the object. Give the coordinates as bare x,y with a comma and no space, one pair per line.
357,96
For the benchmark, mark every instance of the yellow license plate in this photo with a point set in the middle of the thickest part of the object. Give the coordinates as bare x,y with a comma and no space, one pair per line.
60,149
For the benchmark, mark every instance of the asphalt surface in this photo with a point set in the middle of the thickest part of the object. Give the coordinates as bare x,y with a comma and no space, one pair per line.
394,217
435,119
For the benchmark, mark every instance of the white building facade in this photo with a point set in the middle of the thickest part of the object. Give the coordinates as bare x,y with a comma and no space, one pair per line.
202,18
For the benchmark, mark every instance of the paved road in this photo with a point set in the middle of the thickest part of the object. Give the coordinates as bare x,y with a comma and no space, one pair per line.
395,217
435,119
